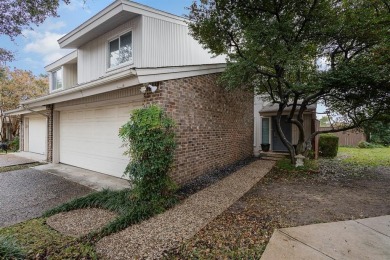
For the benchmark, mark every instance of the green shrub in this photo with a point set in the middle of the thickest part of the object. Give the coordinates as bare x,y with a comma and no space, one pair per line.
9,249
14,145
364,144
328,145
150,139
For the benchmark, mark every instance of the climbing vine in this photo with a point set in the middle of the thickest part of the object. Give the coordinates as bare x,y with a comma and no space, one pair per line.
150,140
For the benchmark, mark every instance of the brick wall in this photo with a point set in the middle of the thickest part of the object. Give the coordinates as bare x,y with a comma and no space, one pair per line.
214,127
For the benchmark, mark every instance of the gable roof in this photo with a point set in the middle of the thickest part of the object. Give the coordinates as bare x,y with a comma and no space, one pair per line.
110,17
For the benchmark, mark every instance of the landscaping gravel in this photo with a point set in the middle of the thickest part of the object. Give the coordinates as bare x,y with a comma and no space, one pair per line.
77,223
151,238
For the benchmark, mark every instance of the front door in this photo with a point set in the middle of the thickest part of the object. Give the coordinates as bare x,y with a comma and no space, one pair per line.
277,144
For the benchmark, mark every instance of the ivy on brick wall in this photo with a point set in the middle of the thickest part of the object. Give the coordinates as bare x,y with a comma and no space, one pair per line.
150,140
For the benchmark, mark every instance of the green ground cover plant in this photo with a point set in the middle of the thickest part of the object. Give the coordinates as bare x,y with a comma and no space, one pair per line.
9,249
19,167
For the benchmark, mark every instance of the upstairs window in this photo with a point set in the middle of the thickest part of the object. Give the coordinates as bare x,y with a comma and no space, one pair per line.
57,80
120,50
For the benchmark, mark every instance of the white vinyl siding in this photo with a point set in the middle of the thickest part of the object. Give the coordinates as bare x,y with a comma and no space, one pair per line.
69,75
89,138
169,44
92,57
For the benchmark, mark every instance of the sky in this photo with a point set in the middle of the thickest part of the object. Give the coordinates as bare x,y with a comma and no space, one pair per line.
36,48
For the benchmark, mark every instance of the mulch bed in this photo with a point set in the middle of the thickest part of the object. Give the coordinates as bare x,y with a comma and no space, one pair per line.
337,192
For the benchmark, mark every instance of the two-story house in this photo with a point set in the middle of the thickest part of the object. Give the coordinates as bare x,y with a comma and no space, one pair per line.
128,56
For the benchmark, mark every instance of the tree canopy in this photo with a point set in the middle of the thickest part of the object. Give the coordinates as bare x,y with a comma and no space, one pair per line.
297,53
15,86
16,15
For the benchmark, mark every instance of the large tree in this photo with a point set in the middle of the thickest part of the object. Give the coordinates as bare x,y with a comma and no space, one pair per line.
15,86
16,15
297,53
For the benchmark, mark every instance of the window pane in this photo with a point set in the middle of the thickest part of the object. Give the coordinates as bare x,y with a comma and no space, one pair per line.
114,53
125,53
57,79
265,131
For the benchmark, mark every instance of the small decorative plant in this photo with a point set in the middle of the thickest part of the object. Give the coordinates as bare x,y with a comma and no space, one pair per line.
150,138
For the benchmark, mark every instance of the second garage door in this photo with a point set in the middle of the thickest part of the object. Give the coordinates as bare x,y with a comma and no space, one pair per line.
89,138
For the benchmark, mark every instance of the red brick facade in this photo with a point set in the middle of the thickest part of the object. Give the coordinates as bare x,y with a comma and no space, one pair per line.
214,126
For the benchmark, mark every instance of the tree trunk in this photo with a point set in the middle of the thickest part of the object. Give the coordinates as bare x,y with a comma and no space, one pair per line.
283,138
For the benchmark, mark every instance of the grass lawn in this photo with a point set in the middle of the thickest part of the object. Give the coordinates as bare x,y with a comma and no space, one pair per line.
365,156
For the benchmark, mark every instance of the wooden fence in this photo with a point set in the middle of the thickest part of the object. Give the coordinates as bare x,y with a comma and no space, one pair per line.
348,138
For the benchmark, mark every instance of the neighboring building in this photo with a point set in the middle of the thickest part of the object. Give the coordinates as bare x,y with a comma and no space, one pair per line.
123,50
265,126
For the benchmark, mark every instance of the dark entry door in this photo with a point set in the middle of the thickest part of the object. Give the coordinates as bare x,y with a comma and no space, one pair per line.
277,144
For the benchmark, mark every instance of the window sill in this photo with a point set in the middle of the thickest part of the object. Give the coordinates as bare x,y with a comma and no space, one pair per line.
120,66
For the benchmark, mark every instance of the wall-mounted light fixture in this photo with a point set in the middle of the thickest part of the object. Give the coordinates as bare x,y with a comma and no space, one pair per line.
145,87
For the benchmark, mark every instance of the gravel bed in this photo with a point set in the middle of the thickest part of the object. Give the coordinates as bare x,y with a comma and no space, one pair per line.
77,223
151,238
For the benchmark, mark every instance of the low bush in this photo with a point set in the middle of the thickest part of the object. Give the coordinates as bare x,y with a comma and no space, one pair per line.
9,249
364,144
14,144
328,145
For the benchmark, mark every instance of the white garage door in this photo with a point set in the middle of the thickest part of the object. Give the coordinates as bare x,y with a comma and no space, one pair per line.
89,138
37,135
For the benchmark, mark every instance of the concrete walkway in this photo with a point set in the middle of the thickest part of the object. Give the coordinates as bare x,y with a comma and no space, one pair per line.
12,159
91,179
150,238
355,239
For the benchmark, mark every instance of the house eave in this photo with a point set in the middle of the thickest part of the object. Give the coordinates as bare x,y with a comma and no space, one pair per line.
69,58
126,78
110,17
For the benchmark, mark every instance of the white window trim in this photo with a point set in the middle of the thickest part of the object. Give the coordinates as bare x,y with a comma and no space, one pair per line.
117,36
52,80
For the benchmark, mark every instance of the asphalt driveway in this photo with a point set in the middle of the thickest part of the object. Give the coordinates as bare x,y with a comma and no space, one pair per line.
26,194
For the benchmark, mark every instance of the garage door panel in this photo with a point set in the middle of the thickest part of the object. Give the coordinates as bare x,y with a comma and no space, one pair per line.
37,135
89,139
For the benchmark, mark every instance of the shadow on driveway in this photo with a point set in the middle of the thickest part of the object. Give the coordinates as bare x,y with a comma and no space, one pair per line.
27,193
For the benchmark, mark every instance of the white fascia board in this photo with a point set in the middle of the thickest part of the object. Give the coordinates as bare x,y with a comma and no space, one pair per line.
22,111
137,8
112,10
146,75
58,63
117,81
96,20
